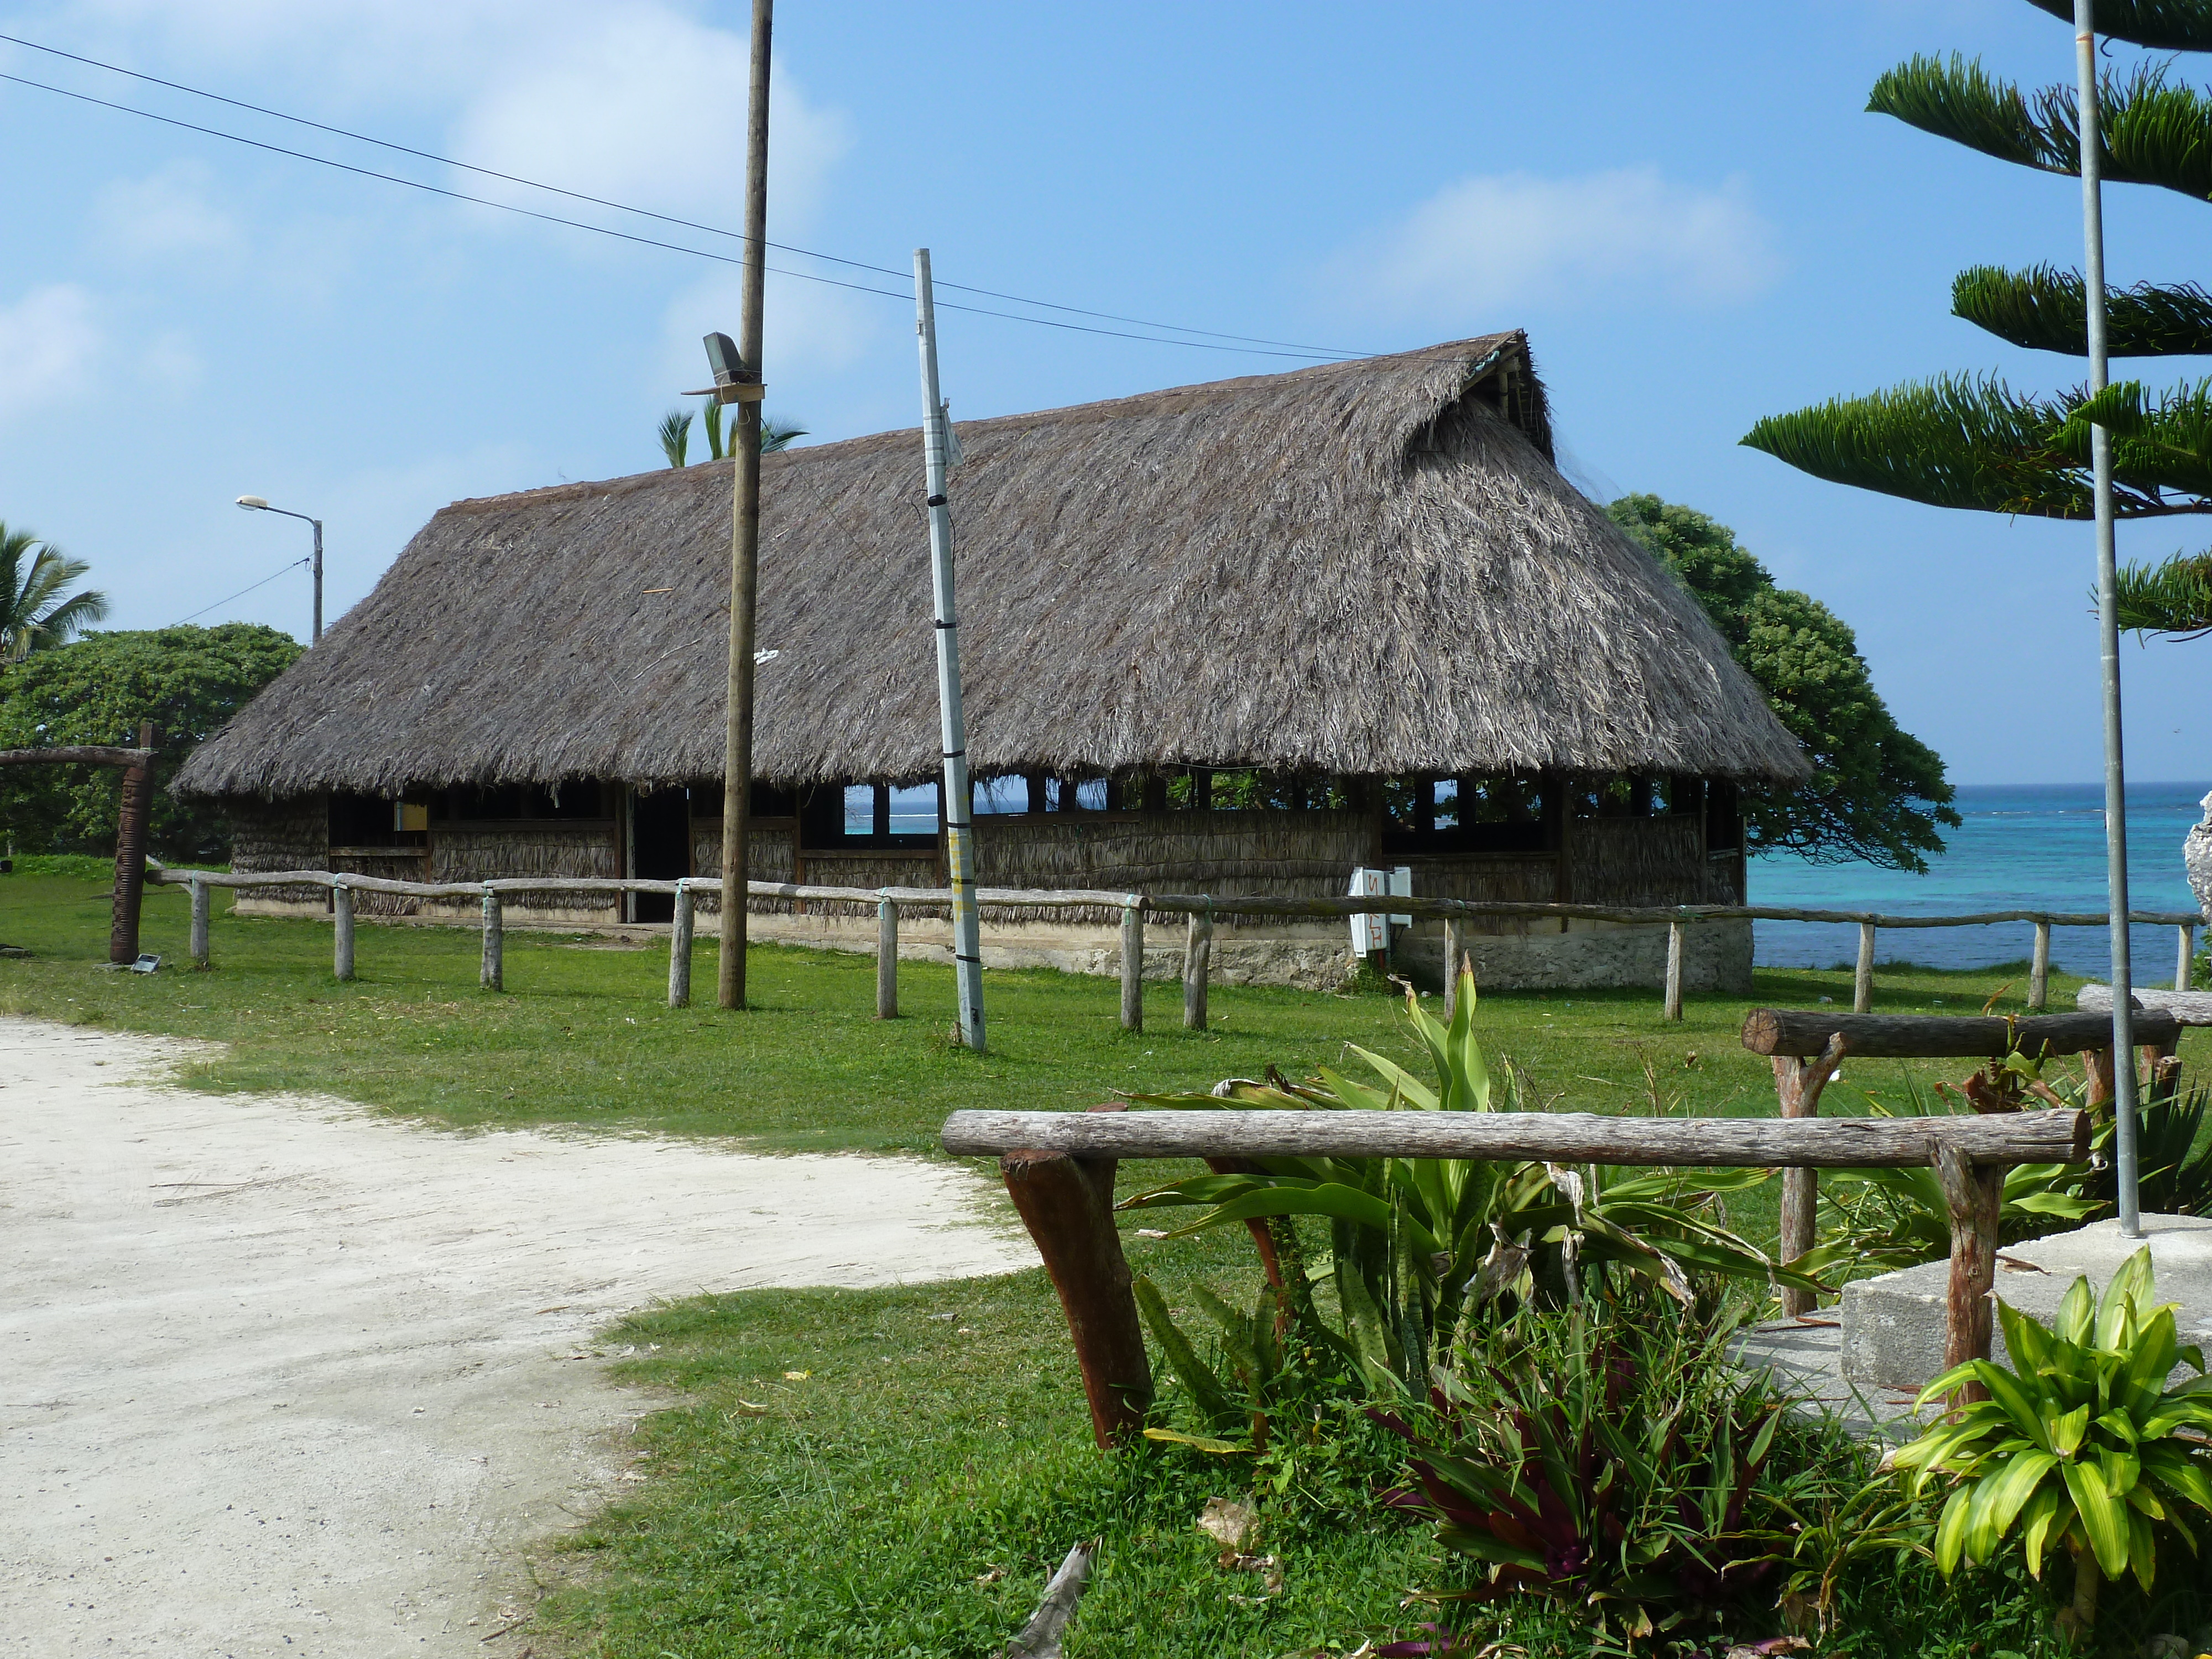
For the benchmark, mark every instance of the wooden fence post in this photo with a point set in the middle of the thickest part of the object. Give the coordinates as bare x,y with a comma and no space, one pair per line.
341,930
1862,984
1974,1195
1067,1205
1453,950
1675,930
493,976
2038,970
679,946
2181,961
130,855
1797,1084
200,905
1132,966
1197,961
886,957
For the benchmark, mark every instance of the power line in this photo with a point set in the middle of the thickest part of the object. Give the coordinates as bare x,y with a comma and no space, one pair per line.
1288,347
241,593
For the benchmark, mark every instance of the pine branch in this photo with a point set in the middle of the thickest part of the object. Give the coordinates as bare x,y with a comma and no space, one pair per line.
2046,309
2173,597
2154,133
1973,443
2168,24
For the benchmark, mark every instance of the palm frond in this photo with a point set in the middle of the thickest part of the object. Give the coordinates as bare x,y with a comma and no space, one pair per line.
712,417
2172,598
2154,132
774,436
2046,309
2168,24
676,436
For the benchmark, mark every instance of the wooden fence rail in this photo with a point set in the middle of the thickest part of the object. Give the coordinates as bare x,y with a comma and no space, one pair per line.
1203,910
1059,1168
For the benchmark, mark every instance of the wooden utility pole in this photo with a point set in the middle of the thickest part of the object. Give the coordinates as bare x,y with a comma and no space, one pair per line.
131,853
745,527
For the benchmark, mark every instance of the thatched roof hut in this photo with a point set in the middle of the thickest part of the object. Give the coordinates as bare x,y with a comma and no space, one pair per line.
1362,568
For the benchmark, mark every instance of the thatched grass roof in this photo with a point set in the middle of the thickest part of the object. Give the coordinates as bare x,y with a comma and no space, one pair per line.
1365,567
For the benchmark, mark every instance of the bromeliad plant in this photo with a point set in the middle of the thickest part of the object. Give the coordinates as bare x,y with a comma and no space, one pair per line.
2080,1445
1417,1244
1614,1457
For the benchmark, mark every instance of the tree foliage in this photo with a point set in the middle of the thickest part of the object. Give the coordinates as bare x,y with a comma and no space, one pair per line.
35,613
188,681
1971,441
1877,792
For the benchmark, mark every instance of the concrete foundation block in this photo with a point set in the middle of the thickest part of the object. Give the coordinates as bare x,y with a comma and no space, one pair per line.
1892,1325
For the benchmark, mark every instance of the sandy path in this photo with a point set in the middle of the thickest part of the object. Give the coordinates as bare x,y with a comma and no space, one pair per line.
279,1377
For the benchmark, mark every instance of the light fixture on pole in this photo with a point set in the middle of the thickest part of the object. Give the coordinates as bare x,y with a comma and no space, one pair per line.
257,504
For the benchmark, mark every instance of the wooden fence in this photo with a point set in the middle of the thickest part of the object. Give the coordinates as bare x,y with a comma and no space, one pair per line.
1200,909
1059,1168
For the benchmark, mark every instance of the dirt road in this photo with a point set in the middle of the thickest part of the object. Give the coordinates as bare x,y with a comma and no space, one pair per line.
279,1377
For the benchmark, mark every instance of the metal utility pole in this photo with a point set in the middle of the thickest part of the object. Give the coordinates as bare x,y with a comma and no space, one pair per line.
2116,794
959,849
739,383
256,504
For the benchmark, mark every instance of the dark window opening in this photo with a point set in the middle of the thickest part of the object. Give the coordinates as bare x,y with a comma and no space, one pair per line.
375,821
1724,818
870,815
660,848
1465,815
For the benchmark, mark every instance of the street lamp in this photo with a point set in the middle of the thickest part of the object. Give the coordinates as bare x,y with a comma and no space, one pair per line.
256,504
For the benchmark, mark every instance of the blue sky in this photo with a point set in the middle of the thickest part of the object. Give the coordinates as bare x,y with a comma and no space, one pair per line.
1686,207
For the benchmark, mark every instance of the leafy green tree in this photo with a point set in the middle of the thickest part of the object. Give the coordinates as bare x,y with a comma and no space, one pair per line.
188,681
1877,792
1972,442
34,613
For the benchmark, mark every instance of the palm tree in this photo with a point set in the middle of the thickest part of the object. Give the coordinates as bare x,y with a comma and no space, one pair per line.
775,435
34,615
676,436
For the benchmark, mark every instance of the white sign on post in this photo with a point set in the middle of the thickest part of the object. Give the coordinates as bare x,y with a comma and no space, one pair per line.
1372,933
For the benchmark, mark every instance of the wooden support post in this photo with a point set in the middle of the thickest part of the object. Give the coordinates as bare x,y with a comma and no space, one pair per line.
1797,1086
1197,963
341,930
200,898
1133,967
493,976
681,923
130,855
1453,950
2097,1073
1674,931
886,958
1974,1195
2182,960
2038,970
1862,984
1067,1205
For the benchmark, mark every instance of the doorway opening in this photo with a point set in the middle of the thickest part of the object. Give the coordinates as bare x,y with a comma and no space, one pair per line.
660,849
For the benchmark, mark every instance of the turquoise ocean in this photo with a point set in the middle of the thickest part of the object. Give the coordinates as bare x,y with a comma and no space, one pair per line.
2023,847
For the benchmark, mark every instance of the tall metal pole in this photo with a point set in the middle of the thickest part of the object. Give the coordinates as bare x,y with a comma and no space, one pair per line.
316,638
959,848
744,536
2116,793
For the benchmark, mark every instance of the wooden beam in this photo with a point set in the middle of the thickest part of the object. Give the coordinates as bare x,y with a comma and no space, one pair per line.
130,832
1974,1198
2043,1137
83,754
1797,1087
1133,967
1806,1031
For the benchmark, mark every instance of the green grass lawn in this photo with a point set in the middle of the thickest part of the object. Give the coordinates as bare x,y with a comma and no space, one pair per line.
908,1495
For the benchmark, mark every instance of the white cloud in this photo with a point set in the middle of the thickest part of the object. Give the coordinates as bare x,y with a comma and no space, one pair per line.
1514,238
50,346
646,106
167,212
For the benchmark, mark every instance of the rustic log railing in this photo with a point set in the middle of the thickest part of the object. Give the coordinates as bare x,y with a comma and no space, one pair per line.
1059,1167
1203,910
132,812
1808,1045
